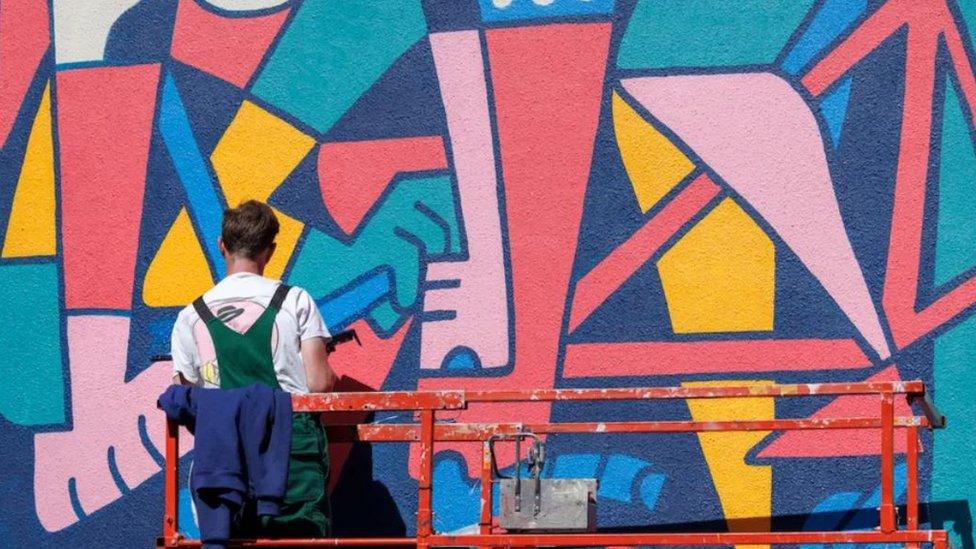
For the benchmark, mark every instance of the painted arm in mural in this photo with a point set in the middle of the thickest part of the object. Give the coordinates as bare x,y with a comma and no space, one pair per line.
475,329
379,273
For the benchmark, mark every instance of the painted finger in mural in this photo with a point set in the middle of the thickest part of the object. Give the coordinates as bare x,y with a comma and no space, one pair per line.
116,433
415,222
478,298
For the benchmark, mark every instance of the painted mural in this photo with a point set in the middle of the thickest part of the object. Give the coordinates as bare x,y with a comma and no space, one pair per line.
497,193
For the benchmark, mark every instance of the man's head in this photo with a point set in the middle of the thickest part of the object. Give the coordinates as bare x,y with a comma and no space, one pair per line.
248,232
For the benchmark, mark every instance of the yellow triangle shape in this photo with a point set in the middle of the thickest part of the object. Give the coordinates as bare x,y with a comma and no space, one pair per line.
288,234
721,275
256,153
31,230
745,491
179,273
653,163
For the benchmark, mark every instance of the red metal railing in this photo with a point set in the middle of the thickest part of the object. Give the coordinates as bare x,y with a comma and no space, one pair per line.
427,432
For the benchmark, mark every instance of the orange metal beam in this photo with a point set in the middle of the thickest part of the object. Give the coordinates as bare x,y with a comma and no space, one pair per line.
427,432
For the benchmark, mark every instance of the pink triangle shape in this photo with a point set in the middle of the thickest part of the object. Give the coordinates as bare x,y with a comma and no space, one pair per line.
762,139
842,442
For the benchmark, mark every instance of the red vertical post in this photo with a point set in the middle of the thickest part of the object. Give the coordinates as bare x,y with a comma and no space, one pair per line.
171,519
911,503
484,523
888,522
424,511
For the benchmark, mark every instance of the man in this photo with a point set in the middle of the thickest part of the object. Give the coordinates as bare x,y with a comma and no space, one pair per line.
250,329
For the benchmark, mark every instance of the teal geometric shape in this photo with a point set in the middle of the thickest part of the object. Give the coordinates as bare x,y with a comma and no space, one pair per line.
415,223
706,33
956,229
954,447
968,9
32,387
333,51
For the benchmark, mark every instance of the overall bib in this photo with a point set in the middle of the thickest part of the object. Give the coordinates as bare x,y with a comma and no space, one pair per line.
245,359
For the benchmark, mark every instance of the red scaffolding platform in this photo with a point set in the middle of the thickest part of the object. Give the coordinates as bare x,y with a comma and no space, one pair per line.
427,431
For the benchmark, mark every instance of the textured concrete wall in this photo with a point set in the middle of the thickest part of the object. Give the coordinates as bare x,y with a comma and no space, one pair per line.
497,193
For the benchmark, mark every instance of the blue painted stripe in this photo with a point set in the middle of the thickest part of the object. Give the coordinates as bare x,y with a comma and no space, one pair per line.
529,9
206,206
576,466
834,108
113,469
650,490
829,513
147,443
341,310
161,331
73,497
618,477
829,22
188,523
867,517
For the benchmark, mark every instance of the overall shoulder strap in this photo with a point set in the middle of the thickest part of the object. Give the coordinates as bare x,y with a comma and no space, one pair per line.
279,296
201,308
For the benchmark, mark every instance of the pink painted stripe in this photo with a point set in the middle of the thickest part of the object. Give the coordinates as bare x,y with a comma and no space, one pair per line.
698,357
907,325
105,120
548,83
911,177
879,26
611,273
925,26
25,37
854,442
480,300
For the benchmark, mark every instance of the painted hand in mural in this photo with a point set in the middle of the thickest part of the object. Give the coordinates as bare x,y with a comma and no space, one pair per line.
540,143
416,222
476,331
116,433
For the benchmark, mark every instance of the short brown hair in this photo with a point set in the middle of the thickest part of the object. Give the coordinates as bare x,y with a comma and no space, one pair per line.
249,229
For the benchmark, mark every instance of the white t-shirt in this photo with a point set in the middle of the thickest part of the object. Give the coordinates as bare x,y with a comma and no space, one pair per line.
238,300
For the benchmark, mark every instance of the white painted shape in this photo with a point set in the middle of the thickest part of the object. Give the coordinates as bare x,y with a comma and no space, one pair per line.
81,28
246,5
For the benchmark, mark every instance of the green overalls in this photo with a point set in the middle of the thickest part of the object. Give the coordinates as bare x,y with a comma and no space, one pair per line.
246,359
